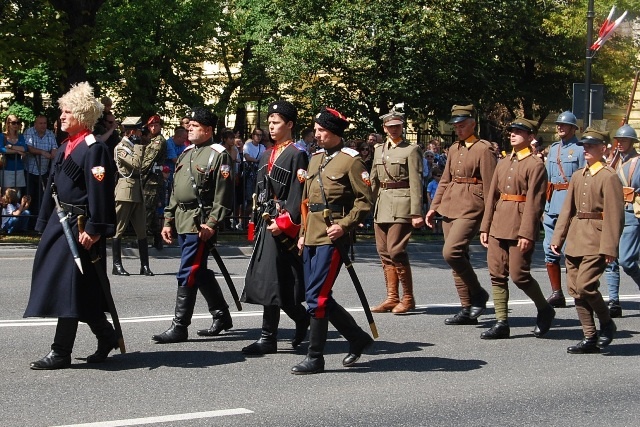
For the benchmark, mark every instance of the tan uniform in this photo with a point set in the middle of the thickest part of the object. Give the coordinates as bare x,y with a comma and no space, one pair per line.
396,185
128,192
513,208
460,200
591,223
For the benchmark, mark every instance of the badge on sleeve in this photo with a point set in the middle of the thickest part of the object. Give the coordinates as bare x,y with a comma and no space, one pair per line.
98,172
225,171
302,175
366,179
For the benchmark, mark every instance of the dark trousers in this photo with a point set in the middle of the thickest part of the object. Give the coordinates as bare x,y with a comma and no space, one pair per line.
193,261
321,267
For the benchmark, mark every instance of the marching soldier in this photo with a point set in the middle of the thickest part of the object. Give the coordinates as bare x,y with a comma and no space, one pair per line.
564,158
274,278
511,225
460,200
629,248
202,197
155,154
590,222
129,204
337,181
83,178
396,185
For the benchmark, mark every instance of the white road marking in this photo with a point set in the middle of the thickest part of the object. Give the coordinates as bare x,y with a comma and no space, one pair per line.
164,418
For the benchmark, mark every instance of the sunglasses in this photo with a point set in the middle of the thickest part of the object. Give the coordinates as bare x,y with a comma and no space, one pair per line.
14,123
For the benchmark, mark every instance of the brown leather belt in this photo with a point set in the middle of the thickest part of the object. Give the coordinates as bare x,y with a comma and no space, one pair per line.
393,185
561,186
462,180
590,215
513,197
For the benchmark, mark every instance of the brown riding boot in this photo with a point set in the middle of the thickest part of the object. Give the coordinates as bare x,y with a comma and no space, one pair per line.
391,280
407,303
556,299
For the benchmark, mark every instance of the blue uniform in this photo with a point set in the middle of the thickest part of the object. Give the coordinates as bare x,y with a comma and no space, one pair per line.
629,248
571,158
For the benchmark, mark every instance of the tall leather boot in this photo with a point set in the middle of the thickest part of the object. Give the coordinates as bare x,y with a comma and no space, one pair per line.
158,243
107,340
299,315
60,355
406,280
391,281
218,307
143,249
116,250
358,339
268,341
314,362
177,332
556,299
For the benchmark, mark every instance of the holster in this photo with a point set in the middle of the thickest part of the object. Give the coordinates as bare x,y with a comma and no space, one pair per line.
549,191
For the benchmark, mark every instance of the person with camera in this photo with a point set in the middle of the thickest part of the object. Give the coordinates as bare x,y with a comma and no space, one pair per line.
201,199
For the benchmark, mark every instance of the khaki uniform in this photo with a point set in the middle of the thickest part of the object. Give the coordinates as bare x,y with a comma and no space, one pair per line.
591,223
155,154
347,189
460,200
128,192
513,208
396,185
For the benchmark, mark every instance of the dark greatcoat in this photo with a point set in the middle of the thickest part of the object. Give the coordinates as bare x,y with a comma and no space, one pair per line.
275,275
58,289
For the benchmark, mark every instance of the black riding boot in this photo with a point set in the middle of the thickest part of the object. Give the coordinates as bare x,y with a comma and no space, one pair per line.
268,341
60,355
177,332
107,340
358,339
158,243
116,252
299,315
218,307
314,362
143,248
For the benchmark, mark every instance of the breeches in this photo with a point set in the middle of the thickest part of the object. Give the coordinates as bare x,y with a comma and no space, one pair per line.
505,259
130,211
391,242
583,276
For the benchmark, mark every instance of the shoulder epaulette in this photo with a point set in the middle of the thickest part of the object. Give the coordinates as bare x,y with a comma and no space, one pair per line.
189,147
299,147
350,151
219,148
485,142
320,151
90,140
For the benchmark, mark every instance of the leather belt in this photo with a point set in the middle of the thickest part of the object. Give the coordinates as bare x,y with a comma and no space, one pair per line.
319,207
561,186
392,185
74,209
188,206
463,180
590,215
513,197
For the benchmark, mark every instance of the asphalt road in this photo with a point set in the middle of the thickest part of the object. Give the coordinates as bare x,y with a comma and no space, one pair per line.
419,373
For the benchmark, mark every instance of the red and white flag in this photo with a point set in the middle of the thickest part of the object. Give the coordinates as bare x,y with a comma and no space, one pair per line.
607,29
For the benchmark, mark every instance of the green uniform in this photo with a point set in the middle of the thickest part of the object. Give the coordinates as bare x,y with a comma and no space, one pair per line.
209,168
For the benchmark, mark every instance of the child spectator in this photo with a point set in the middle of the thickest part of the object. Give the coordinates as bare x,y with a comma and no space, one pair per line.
14,215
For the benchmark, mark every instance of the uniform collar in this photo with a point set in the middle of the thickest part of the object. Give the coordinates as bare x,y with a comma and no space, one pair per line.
595,168
633,153
572,140
391,143
522,154
470,141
